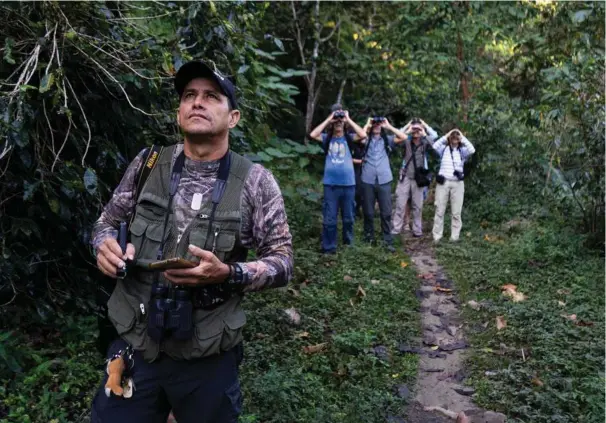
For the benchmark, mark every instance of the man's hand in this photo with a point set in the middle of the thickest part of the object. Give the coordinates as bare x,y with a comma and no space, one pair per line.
385,123
210,270
110,257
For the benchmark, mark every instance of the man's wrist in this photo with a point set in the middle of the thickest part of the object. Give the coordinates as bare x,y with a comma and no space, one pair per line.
235,275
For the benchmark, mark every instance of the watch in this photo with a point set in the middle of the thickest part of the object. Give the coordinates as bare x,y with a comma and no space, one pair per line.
236,274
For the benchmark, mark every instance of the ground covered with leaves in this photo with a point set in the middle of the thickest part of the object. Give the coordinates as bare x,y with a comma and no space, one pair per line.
535,319
323,350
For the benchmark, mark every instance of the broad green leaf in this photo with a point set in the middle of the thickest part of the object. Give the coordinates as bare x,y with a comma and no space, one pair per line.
47,82
279,43
581,15
8,44
90,180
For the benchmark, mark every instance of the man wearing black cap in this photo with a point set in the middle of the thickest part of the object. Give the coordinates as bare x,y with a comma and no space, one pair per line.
180,330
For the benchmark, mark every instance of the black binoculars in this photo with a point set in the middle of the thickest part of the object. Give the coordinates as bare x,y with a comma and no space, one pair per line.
339,115
378,119
170,313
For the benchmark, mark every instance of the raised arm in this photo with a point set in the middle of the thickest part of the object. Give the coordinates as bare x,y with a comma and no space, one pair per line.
431,134
316,133
400,136
360,133
470,149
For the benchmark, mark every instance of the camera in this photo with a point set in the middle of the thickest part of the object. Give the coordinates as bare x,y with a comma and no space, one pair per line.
459,175
170,313
377,119
339,115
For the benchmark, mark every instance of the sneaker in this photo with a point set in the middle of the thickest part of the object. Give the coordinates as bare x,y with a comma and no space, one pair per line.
390,248
417,235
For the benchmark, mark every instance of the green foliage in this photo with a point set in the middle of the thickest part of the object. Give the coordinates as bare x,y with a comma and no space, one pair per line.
85,90
86,86
560,377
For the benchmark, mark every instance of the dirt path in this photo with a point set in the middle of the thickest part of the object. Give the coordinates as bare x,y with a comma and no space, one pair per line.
442,349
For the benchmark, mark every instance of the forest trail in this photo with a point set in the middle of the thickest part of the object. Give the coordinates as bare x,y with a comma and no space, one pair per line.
441,377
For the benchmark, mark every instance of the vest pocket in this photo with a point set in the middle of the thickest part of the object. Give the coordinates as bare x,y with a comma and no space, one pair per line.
146,237
232,333
224,244
120,312
208,338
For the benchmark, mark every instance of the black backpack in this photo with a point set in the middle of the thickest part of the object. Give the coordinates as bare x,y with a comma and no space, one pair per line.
105,284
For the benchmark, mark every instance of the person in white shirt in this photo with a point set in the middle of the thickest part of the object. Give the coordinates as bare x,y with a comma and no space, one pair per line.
454,149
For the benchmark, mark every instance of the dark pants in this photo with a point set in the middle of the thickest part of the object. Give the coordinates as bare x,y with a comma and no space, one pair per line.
358,198
335,198
381,193
205,390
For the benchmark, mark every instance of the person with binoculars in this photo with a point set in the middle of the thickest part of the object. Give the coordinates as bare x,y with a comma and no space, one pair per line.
339,175
413,175
377,177
176,307
454,149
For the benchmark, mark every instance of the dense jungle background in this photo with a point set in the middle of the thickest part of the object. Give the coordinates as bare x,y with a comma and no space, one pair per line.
85,86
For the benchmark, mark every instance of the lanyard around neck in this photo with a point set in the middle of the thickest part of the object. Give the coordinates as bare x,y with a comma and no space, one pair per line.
218,191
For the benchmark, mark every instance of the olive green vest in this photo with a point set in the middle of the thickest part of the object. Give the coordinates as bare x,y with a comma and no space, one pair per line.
215,330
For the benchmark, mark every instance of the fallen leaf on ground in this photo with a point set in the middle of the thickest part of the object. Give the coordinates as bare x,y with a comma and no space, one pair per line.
403,264
426,276
261,335
310,349
487,238
293,315
444,411
294,292
375,281
563,291
509,290
347,278
583,323
351,302
561,303
302,335
467,234
474,304
361,293
536,381
440,289
501,323
571,317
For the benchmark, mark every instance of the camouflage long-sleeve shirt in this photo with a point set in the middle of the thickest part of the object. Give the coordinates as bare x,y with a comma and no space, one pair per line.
264,223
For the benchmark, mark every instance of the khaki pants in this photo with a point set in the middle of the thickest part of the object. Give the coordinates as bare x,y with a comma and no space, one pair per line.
453,191
404,190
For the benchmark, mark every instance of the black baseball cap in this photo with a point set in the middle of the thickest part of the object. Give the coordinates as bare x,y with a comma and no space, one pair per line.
198,69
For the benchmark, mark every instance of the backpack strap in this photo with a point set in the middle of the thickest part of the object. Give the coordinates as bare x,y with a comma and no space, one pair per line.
151,158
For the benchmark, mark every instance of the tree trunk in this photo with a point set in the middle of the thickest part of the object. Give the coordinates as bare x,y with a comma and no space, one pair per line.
341,89
311,86
464,77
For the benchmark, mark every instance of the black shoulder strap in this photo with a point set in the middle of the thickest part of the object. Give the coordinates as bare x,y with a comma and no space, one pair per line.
350,142
327,143
151,158
153,153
